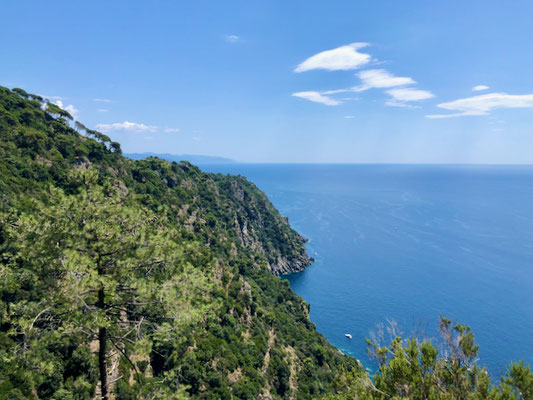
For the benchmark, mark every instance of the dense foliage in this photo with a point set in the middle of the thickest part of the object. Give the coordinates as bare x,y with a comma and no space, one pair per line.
444,369
151,276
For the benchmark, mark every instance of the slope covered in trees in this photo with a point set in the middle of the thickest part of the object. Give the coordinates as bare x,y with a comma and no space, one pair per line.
151,279
150,276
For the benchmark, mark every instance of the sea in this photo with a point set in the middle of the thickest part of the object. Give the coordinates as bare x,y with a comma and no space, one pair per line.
398,246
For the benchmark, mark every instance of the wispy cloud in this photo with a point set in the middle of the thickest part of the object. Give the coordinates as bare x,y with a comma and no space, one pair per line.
349,116
317,97
409,94
102,110
70,108
484,104
341,58
103,100
402,104
379,78
479,88
347,58
375,78
350,98
127,126
336,91
399,96
232,38
52,97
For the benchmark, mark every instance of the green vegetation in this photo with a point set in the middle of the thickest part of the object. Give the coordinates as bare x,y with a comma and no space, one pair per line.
416,369
151,276
151,279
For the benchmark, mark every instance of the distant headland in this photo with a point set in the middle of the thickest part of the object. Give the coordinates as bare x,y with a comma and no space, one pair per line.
192,158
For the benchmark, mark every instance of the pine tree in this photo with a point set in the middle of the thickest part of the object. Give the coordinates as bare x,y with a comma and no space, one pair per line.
103,269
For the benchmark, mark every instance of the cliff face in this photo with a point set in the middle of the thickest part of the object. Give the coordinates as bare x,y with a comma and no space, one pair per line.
282,246
229,207
248,335
284,266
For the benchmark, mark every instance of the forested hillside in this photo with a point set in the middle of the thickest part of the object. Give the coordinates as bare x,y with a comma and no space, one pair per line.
150,279
151,275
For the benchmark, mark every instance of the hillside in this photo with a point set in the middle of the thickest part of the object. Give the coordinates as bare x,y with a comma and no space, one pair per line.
241,332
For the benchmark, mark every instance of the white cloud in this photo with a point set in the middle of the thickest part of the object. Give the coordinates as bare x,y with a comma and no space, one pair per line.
480,87
232,38
103,100
347,58
350,98
395,103
484,104
336,91
317,97
379,78
373,78
102,110
126,126
401,96
342,58
409,94
349,116
52,97
70,108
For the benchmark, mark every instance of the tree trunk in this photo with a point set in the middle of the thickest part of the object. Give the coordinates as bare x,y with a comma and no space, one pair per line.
102,351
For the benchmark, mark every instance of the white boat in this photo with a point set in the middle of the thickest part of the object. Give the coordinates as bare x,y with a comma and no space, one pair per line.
348,335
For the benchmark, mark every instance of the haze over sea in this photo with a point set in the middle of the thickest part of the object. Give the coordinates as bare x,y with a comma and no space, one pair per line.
409,243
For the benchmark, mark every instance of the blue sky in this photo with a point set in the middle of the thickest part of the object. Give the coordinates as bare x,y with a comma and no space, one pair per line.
286,81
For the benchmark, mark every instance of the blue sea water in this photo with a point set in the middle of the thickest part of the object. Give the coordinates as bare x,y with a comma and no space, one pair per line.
411,243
